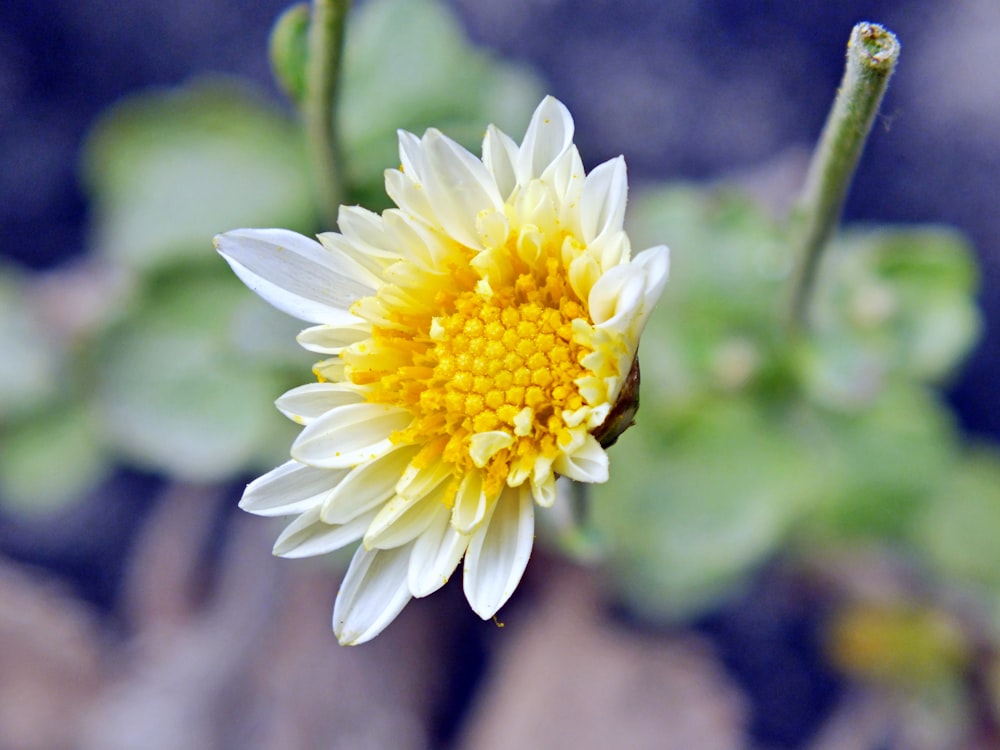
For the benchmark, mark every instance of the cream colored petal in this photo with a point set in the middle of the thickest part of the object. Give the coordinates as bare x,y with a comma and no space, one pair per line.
290,488
544,492
420,477
484,445
500,157
567,177
411,156
602,202
587,463
367,486
417,242
458,187
325,339
308,402
307,535
549,134
499,552
471,504
402,520
373,592
584,271
410,196
294,273
622,299
349,435
436,553
372,259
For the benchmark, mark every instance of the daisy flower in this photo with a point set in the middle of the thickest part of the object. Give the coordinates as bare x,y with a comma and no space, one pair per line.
477,339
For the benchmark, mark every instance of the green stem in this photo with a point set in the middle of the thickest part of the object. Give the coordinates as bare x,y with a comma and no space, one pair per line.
872,53
325,45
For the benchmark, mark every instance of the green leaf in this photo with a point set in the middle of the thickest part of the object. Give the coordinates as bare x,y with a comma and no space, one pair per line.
409,65
50,459
31,361
958,530
691,511
289,50
900,298
187,383
715,331
168,170
877,467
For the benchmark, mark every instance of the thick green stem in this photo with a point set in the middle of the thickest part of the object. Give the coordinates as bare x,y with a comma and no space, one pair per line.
325,48
872,53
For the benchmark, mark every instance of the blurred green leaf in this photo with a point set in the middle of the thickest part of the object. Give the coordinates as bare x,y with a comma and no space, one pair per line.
690,510
50,459
289,50
187,383
408,64
892,300
716,329
877,467
959,528
168,170
31,360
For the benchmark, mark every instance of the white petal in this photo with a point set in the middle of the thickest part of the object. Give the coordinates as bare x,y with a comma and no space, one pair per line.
544,489
458,187
371,259
307,535
402,520
410,196
587,463
293,273
373,592
549,134
623,298
311,401
349,435
484,445
567,176
602,202
499,552
420,478
470,505
288,489
326,339
500,156
367,485
436,553
415,241
411,155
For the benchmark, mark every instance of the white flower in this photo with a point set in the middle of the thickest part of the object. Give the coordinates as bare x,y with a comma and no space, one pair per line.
477,336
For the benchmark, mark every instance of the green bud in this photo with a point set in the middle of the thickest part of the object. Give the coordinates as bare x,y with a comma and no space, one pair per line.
289,50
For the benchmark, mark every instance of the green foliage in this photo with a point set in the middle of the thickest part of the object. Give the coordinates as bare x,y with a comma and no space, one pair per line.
51,458
181,375
726,488
957,529
409,66
289,49
168,170
751,442
186,382
31,361
765,441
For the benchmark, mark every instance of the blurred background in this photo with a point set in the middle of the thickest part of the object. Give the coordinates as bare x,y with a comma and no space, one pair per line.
800,540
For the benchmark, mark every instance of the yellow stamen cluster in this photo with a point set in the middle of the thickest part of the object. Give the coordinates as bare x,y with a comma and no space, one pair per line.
497,366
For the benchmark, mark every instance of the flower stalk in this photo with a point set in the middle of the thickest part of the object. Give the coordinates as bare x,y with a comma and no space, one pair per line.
872,53
325,43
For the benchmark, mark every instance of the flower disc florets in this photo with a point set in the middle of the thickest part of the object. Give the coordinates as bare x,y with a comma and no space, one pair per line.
478,335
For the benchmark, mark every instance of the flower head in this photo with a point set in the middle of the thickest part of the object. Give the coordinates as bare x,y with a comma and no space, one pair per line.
477,337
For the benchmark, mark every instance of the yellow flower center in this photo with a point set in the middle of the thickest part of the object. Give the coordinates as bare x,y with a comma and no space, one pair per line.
490,379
